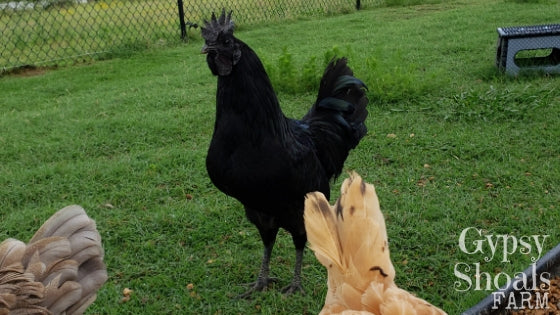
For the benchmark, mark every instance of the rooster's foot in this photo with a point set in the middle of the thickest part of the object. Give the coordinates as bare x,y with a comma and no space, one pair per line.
259,285
293,288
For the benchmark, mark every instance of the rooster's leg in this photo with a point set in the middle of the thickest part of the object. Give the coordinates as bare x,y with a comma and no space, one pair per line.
295,286
263,280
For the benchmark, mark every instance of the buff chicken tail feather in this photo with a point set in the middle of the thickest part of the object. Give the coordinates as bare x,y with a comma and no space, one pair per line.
350,240
58,272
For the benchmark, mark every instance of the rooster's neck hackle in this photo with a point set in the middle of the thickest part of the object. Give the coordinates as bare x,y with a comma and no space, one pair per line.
248,93
245,92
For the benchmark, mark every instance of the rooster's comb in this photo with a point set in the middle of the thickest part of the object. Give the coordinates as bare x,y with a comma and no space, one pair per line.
217,26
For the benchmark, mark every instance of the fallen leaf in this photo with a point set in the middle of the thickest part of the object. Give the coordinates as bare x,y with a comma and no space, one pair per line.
422,182
127,292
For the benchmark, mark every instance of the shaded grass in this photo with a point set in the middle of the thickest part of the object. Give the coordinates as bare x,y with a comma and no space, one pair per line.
451,144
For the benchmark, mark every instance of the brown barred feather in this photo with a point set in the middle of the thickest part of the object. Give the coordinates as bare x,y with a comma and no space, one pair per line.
58,272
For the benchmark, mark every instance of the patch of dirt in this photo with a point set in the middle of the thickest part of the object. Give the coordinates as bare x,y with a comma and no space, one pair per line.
27,71
552,292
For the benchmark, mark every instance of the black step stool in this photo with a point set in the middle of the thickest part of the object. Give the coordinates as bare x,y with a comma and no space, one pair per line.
511,40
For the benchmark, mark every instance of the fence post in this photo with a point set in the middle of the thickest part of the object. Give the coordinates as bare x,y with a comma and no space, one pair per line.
182,19
358,4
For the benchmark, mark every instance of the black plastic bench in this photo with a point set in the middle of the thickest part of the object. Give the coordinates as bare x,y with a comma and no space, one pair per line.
512,40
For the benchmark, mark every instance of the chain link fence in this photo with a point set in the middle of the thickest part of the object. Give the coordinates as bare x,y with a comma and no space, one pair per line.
57,32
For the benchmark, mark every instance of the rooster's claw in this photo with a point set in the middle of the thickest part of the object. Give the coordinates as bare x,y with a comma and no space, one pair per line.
258,286
293,288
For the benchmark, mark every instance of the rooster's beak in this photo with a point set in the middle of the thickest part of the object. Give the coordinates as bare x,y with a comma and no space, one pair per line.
204,49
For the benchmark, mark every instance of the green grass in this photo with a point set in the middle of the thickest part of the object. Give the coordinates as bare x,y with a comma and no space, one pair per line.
451,144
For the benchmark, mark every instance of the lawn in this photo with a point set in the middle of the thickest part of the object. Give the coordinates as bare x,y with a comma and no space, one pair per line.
452,144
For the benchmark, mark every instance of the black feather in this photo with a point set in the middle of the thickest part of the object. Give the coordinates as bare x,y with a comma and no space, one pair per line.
346,82
336,104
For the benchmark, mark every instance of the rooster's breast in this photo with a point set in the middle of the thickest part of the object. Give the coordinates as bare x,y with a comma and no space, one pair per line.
265,175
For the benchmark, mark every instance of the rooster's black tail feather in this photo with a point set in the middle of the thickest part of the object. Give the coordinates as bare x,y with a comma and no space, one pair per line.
336,120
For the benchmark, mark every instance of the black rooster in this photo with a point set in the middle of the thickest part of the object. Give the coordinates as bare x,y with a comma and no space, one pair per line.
265,160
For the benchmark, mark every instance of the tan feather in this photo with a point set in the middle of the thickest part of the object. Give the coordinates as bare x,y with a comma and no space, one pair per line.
373,297
64,270
350,239
63,223
324,242
11,252
80,306
60,296
58,272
